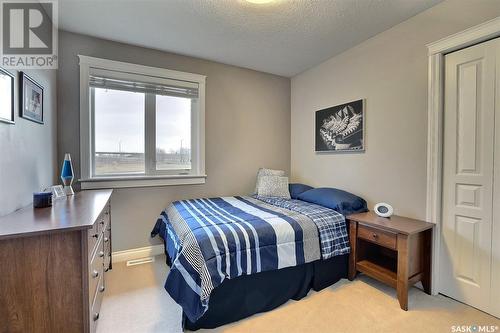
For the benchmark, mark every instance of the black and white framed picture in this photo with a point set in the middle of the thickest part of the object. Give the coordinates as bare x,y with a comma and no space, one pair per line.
31,93
6,97
340,128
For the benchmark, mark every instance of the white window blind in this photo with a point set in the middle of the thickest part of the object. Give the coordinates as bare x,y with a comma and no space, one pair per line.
167,88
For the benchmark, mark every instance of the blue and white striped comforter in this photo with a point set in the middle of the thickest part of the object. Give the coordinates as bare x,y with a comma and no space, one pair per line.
223,238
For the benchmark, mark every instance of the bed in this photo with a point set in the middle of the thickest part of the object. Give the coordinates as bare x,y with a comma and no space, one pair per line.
232,257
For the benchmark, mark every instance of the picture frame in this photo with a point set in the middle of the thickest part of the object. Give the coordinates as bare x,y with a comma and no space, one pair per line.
31,99
341,128
57,192
6,97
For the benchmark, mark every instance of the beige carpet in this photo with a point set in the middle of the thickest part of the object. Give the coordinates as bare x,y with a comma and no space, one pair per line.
135,301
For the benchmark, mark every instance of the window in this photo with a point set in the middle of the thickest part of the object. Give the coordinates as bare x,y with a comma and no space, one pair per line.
119,132
173,133
139,125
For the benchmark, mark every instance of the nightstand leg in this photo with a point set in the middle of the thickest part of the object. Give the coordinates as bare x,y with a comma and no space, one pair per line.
427,255
402,285
353,225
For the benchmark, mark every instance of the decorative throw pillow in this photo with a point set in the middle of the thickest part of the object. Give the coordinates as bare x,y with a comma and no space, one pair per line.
267,172
273,186
343,202
296,189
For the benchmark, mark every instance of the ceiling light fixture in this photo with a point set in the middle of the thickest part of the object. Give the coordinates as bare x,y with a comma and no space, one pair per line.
260,2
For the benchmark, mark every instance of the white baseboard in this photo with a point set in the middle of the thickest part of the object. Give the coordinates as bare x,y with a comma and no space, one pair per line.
141,252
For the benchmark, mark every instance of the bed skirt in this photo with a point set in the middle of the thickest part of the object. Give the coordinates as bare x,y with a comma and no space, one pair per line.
250,294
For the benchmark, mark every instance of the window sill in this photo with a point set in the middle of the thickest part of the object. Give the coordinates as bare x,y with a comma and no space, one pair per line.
141,181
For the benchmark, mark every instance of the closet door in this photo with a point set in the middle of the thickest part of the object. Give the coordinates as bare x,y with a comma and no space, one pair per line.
469,121
495,241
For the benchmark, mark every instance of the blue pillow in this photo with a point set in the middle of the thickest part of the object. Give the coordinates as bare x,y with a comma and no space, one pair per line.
343,202
296,189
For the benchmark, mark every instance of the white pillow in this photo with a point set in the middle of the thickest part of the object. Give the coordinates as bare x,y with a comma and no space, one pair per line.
273,186
267,172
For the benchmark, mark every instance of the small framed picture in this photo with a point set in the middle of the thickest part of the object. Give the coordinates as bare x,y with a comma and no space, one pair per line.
31,96
6,97
341,128
57,192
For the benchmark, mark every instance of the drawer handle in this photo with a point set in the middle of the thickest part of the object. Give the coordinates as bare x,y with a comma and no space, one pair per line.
106,213
96,316
101,254
106,239
106,269
95,274
102,222
375,235
101,289
95,235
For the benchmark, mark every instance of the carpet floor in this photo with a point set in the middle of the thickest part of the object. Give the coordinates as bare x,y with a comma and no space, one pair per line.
135,301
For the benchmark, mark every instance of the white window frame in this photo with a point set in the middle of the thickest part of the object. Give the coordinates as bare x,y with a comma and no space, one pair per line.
152,177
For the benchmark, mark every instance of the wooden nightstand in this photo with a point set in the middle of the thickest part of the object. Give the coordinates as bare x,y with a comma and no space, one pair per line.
395,251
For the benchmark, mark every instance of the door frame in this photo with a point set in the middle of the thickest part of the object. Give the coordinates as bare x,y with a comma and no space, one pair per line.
435,109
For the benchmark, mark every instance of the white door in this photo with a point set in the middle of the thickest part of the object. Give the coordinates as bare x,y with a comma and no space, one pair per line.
468,166
495,260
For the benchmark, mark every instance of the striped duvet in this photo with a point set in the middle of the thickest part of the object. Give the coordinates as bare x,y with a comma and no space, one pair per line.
222,238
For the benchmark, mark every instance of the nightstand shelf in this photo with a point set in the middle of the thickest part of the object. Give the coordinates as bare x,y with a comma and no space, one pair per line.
395,251
379,270
380,262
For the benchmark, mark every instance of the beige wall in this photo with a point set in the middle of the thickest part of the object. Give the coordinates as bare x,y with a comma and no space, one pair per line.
28,150
247,126
390,72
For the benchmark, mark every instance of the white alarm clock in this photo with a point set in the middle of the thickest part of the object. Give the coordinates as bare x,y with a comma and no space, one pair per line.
383,209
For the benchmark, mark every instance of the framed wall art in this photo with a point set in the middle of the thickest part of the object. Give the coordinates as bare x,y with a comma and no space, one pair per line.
31,96
341,128
6,97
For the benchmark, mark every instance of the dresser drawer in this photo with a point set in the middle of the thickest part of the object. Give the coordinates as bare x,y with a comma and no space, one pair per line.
104,219
96,268
107,249
102,223
93,236
107,213
383,238
96,304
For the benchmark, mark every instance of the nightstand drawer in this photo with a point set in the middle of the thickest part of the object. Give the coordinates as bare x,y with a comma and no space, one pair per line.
383,238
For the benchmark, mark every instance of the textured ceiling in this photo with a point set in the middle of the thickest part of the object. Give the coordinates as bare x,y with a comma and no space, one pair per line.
285,37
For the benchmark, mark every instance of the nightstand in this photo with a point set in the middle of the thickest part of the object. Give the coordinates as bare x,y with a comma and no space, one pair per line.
395,251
